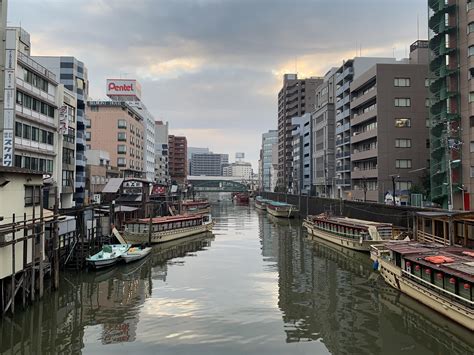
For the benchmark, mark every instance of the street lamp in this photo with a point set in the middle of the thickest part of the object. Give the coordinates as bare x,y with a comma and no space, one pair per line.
450,182
393,186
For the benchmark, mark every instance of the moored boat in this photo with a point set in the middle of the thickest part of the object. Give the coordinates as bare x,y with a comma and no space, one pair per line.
165,229
242,197
196,207
438,276
351,233
261,203
135,253
109,255
281,209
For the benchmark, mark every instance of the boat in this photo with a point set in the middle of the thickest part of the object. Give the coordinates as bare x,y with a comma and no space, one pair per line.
441,277
135,253
196,206
242,197
356,234
165,229
281,209
261,203
109,255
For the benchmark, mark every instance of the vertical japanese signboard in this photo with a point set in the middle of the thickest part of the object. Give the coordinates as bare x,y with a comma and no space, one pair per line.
9,98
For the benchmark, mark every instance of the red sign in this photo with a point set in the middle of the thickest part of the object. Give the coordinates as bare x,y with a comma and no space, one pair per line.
123,87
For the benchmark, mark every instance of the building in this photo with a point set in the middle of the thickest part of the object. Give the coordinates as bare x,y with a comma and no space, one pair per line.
208,164
193,150
119,129
295,98
162,175
297,152
72,73
302,155
389,133
29,121
274,168
178,165
268,140
452,97
346,73
241,170
98,173
323,137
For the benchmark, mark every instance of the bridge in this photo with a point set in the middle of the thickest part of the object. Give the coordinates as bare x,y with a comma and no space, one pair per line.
217,184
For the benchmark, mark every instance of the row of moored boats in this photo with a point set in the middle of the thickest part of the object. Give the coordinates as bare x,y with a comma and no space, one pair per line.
441,277
275,208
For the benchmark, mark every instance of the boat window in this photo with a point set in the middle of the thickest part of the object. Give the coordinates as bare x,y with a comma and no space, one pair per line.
438,279
417,270
426,275
160,227
450,283
465,290
398,260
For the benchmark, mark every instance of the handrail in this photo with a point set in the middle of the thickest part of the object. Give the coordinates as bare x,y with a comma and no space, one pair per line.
441,290
70,253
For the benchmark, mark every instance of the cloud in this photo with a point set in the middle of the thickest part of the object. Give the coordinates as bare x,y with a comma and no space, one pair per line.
216,64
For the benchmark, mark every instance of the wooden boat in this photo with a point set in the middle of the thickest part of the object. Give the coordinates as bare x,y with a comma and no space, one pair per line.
165,229
281,209
196,207
109,255
135,253
351,233
261,203
441,277
241,197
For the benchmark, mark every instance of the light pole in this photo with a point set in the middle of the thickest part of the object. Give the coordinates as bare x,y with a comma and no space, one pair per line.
450,183
393,186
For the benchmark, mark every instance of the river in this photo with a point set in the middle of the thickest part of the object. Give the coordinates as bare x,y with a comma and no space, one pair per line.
256,285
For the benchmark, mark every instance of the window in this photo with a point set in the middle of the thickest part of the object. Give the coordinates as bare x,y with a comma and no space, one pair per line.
68,178
471,148
35,134
26,132
401,82
43,136
121,162
470,27
18,129
427,102
402,122
122,124
403,163
122,136
88,123
427,143
402,102
50,138
88,136
428,123
122,149
402,143
470,50
471,96
403,185
49,166
29,198
472,171
68,156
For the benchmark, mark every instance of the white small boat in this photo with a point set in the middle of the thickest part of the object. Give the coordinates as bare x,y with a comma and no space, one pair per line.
135,253
109,255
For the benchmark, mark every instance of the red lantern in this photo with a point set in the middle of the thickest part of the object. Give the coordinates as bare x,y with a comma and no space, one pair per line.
417,267
452,280
439,276
467,286
427,271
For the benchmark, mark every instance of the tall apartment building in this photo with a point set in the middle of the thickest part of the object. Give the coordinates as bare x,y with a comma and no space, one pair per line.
29,121
268,140
72,73
302,155
162,175
119,129
239,169
389,133
208,164
451,43
323,137
346,73
178,165
295,98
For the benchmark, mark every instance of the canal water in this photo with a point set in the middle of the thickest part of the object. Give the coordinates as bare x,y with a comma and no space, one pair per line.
256,285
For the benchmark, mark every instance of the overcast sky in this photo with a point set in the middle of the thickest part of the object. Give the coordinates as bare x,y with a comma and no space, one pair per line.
213,68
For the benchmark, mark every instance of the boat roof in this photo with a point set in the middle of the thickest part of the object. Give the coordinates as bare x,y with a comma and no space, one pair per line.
199,202
276,203
462,265
167,219
353,222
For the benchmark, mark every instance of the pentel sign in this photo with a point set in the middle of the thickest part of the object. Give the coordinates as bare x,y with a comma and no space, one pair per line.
118,88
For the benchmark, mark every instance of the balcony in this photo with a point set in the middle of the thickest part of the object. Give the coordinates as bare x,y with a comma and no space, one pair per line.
359,137
342,155
349,71
342,128
361,174
342,168
343,182
370,95
363,155
363,117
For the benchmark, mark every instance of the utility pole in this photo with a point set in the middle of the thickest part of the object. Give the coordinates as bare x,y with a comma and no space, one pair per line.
393,186
364,182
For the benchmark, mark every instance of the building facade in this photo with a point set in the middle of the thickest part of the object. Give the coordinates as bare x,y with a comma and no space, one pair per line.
345,74
72,73
389,133
208,164
295,98
240,169
451,44
323,137
268,140
119,129
178,165
162,175
29,121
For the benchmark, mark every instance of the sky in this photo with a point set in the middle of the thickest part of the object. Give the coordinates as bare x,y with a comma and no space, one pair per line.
213,68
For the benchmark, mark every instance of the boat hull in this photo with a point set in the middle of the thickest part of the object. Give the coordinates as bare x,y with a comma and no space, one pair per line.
260,206
130,257
99,264
282,213
354,244
162,237
458,313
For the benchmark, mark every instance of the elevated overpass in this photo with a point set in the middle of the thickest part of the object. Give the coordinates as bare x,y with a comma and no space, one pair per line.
217,184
